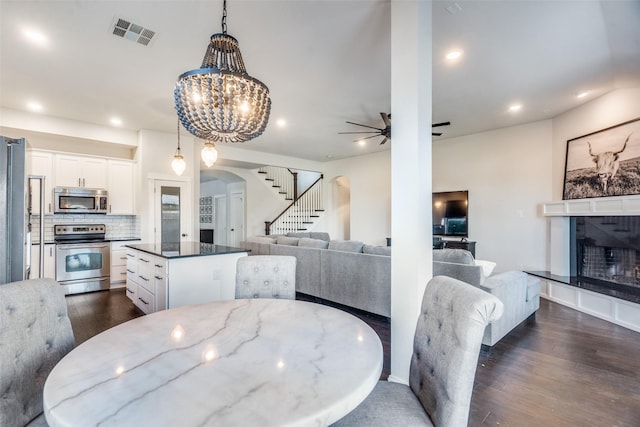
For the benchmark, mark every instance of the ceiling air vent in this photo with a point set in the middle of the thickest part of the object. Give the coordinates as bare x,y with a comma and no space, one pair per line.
134,32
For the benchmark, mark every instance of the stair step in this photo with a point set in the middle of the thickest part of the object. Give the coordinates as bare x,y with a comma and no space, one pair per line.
282,192
268,179
307,222
319,210
262,172
288,198
276,186
314,216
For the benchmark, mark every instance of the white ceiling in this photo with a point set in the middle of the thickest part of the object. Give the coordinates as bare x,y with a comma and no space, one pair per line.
325,62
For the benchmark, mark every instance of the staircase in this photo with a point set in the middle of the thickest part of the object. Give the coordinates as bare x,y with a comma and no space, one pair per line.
303,209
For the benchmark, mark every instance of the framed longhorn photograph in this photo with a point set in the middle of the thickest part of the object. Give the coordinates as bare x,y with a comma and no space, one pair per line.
603,163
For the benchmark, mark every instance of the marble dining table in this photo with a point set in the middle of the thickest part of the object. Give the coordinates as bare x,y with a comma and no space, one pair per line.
258,362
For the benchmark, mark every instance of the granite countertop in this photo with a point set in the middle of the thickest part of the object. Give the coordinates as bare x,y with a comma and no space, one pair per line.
185,249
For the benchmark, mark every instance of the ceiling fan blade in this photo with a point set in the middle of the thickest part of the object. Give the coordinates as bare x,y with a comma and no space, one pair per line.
384,140
366,126
367,137
386,118
362,131
435,125
435,134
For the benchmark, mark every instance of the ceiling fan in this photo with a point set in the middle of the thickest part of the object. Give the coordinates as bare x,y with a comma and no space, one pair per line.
386,131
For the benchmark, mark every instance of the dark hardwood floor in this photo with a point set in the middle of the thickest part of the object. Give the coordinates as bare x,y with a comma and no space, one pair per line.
564,368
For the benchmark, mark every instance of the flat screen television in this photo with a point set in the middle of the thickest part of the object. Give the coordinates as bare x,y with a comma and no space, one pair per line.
450,213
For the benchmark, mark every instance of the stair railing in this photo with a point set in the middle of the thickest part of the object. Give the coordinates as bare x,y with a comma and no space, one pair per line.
300,213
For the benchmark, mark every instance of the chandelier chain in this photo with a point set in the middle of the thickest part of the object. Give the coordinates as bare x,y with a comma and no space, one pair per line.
178,134
224,17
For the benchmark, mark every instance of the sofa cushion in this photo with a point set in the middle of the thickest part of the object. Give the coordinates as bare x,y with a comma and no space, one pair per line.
346,245
298,234
377,250
458,256
307,242
285,240
320,235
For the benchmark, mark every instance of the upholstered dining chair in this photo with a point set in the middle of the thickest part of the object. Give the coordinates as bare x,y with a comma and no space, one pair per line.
35,333
266,276
446,346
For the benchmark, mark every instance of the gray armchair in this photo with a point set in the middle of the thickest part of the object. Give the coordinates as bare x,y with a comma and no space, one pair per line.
266,276
446,346
35,333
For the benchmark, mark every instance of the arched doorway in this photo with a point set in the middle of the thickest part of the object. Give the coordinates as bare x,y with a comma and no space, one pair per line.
341,212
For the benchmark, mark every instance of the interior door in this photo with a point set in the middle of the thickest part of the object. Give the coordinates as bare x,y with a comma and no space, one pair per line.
220,214
236,219
172,213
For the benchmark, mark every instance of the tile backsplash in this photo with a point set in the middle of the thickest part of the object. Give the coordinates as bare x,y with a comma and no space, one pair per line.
118,226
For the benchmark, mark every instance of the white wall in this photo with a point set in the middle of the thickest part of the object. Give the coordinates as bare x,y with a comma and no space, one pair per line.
508,174
370,189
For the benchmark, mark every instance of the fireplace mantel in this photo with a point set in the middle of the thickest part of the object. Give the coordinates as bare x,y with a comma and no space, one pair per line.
602,206
622,312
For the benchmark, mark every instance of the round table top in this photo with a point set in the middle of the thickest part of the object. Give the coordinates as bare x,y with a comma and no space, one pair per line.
260,362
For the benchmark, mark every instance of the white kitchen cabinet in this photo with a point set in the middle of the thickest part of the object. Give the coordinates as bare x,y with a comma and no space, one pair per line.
146,281
118,273
80,171
41,163
49,261
120,187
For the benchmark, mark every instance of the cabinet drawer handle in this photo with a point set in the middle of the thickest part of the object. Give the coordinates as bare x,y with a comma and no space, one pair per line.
130,291
123,273
144,260
158,277
131,255
123,257
144,278
131,271
146,303
158,265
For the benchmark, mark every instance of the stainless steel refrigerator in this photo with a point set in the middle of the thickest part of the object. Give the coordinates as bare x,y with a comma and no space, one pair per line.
14,264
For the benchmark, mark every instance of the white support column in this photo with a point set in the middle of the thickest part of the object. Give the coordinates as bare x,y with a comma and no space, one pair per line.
411,232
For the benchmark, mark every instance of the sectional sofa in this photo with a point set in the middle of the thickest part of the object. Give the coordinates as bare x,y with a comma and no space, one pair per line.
518,291
347,272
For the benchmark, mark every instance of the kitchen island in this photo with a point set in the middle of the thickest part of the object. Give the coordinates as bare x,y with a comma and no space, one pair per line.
166,276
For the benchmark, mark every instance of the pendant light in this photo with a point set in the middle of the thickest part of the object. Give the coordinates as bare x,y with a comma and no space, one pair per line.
220,101
178,164
209,154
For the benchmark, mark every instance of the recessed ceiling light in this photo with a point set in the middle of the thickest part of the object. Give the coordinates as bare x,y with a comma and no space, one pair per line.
361,142
34,106
281,123
35,36
453,55
582,94
515,108
116,121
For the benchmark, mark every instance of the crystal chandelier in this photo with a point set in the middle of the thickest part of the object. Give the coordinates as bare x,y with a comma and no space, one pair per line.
178,164
219,101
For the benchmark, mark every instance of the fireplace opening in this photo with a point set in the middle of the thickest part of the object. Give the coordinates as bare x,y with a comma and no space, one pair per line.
606,250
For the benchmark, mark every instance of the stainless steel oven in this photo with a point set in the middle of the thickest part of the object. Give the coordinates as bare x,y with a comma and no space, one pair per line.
82,257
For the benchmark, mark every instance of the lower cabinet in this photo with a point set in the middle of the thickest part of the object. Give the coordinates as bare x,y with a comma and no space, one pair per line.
49,261
146,281
118,274
157,283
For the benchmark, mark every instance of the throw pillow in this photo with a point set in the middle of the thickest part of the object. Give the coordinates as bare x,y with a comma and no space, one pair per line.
346,245
487,267
307,242
290,241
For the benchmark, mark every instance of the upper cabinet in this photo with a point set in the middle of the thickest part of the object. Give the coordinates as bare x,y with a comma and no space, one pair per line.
40,163
68,170
120,187
80,171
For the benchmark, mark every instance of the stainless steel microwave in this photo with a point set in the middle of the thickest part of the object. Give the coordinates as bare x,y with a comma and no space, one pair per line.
80,200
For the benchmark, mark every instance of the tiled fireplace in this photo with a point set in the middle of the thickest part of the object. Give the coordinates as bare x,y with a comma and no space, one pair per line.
594,257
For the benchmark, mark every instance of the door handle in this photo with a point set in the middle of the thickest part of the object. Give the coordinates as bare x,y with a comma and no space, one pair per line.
184,234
